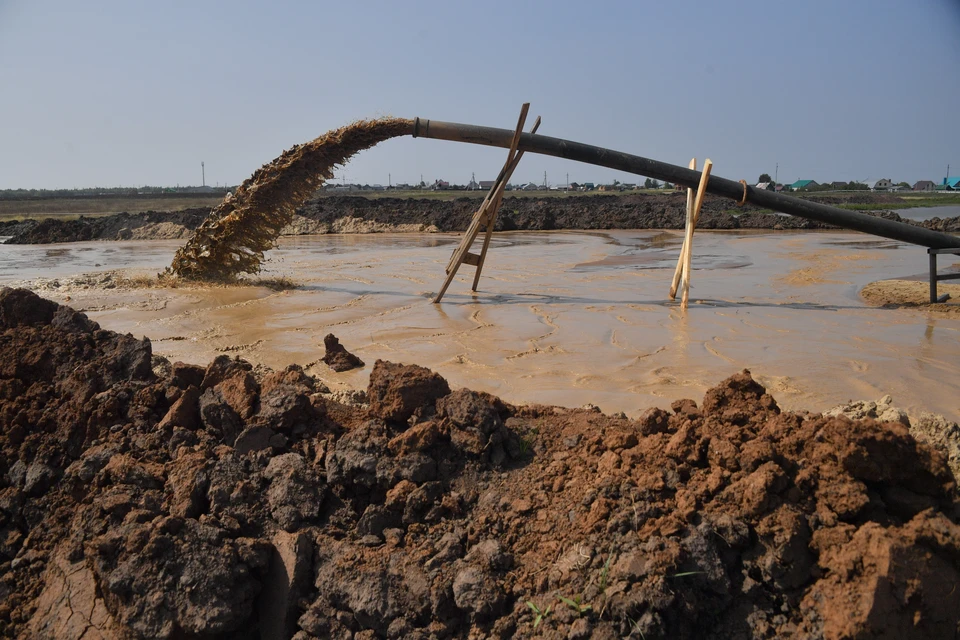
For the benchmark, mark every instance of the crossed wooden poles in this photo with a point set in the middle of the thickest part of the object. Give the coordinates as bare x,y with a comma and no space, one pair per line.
694,203
487,214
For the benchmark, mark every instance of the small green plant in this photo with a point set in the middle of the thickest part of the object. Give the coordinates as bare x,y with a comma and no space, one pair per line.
605,574
685,574
577,605
636,628
540,614
526,442
525,447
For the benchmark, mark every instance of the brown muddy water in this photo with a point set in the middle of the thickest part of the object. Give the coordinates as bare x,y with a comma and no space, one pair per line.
561,318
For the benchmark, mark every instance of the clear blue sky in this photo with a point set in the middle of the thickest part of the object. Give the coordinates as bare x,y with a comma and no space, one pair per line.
125,92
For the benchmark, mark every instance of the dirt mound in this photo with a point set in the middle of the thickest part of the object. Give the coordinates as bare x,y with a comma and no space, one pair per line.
907,294
218,502
357,214
635,211
247,223
122,226
933,429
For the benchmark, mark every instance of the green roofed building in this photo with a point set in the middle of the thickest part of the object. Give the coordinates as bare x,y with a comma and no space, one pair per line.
803,184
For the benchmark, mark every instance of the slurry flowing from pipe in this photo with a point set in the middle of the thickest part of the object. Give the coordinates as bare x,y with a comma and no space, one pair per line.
234,237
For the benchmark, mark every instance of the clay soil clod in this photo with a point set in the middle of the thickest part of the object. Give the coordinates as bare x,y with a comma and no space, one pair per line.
146,499
337,356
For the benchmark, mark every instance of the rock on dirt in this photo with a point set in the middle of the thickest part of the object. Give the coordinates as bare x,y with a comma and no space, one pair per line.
337,356
213,502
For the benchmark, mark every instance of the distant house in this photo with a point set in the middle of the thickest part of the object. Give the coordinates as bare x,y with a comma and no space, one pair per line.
799,185
925,185
440,185
486,185
951,184
778,188
882,185
531,187
765,186
587,186
838,184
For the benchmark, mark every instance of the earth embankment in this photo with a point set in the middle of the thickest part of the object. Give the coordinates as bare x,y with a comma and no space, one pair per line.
148,499
357,214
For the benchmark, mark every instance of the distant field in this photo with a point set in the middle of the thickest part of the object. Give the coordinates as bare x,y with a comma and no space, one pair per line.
453,195
909,201
94,206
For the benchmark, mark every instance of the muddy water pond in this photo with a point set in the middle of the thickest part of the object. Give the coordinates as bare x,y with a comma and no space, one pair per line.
561,318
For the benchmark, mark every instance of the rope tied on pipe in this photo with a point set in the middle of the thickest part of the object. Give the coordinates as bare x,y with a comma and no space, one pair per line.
743,200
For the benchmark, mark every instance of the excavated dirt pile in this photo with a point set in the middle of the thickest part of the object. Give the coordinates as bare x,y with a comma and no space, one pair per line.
143,499
148,225
324,213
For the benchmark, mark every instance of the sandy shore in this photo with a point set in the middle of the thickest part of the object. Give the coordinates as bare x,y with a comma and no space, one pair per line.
912,293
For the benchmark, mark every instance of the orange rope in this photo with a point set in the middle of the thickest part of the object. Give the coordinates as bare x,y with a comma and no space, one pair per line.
740,203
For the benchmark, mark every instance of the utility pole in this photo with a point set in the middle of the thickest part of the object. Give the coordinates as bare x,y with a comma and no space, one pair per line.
776,174
389,178
544,180
568,183
203,173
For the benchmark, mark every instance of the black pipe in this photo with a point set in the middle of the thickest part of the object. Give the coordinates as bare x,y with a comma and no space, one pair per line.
545,145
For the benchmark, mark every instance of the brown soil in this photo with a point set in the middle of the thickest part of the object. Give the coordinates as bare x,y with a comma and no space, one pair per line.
237,232
122,226
929,428
357,214
174,501
912,293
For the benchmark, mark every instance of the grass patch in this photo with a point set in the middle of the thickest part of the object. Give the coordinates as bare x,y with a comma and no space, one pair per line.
576,604
72,208
906,204
540,614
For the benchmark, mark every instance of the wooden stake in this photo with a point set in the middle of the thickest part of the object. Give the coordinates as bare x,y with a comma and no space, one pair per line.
487,209
495,209
683,247
701,192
